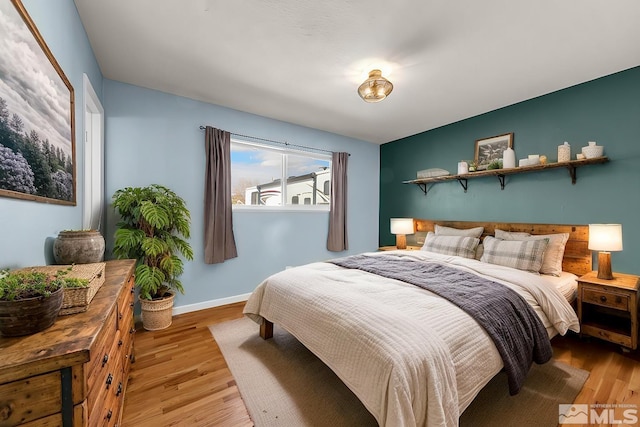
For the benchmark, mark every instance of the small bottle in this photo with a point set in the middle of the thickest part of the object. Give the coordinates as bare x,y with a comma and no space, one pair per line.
564,152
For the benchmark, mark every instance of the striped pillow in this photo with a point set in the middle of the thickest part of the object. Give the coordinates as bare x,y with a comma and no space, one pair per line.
524,255
463,246
552,262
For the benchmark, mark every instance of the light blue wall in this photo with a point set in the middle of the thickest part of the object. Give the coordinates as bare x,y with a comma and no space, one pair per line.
26,227
606,110
154,137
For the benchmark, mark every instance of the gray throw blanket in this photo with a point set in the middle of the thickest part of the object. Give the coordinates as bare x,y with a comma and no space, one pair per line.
512,324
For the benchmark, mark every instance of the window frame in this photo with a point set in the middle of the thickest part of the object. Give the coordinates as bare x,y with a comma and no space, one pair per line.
285,152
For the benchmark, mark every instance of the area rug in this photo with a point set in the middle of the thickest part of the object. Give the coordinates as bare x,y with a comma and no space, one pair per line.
284,384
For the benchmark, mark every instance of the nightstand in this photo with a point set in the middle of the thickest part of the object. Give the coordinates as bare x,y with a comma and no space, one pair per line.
393,248
608,309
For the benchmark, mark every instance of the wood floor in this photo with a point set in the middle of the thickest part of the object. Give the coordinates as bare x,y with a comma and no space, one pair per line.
180,378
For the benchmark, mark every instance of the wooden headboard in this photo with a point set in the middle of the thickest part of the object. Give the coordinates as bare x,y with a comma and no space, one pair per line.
577,257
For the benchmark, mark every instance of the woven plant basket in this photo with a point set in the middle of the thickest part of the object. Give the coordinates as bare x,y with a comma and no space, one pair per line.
76,300
158,314
30,315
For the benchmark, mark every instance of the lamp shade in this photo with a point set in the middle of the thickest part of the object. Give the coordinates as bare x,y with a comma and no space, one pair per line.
605,237
402,226
375,88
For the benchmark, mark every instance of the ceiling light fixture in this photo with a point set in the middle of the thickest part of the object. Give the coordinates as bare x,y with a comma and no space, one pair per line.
375,88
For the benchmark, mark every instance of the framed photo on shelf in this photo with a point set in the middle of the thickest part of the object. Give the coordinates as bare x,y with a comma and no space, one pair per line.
37,135
491,149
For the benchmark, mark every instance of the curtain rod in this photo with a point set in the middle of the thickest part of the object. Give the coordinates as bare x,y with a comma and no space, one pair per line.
277,142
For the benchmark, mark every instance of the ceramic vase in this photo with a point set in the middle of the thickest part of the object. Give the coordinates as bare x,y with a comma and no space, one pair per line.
509,158
78,247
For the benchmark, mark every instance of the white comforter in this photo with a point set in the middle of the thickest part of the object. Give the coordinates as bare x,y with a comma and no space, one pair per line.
411,357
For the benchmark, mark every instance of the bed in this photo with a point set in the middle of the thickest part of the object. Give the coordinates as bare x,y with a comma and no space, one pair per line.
411,356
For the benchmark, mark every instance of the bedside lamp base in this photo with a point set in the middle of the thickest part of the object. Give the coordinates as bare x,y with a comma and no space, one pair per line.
401,241
604,266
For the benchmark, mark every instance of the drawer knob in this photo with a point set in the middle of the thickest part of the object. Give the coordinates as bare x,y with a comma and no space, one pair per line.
109,414
6,410
109,380
119,390
603,298
105,359
132,304
120,343
132,331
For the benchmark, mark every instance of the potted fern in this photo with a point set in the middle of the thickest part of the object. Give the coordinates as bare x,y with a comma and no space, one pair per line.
153,229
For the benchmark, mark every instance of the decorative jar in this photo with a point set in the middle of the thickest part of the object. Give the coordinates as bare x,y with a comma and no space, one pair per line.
592,150
78,247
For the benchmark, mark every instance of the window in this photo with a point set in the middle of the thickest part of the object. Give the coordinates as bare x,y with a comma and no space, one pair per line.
93,158
263,175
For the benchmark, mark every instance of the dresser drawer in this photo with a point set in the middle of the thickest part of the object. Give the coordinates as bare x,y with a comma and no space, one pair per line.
104,377
605,298
29,399
125,307
55,420
106,409
102,345
126,355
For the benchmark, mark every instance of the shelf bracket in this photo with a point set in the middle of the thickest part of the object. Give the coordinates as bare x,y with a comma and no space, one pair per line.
464,184
424,187
572,172
501,179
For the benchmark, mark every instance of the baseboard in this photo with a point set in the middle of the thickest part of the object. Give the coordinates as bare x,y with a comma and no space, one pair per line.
210,304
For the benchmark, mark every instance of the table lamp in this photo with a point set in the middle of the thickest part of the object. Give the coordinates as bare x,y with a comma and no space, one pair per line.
605,238
401,227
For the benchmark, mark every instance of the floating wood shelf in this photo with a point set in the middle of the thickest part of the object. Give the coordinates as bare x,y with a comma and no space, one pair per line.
572,165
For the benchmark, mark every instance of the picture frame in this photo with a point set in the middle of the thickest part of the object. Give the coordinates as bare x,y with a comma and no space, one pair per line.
491,149
37,123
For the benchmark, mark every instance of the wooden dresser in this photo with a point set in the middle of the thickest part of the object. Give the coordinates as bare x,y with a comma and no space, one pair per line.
74,373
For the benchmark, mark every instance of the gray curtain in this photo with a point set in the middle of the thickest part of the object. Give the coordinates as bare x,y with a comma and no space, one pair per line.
337,239
219,242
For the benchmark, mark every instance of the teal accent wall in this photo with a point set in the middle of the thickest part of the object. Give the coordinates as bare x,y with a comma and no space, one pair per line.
606,110
154,137
27,228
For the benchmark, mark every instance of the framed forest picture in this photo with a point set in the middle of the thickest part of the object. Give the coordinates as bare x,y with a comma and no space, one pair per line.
37,135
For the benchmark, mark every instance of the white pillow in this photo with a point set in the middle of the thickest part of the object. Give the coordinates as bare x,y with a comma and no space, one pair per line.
462,246
552,263
510,235
450,231
524,255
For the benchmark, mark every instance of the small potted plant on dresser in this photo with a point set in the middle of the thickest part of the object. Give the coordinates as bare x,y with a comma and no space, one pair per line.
29,302
153,227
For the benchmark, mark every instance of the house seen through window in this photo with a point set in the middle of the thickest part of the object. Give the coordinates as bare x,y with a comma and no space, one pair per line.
263,175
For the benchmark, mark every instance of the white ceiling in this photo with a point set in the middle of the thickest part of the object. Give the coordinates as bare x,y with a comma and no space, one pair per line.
302,61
